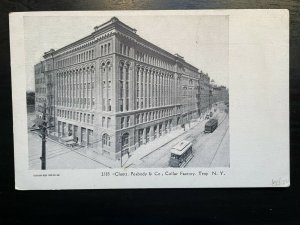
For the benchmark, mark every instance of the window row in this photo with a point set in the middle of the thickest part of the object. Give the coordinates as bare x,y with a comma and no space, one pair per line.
40,80
106,139
106,122
76,101
78,58
77,116
125,122
76,89
124,88
153,115
105,49
124,49
106,104
145,58
40,100
189,92
106,87
153,89
38,69
40,90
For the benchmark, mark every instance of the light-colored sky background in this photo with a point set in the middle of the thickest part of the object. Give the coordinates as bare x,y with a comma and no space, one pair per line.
202,40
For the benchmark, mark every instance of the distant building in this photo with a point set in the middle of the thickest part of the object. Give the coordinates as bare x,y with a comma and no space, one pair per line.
204,92
40,88
219,93
116,91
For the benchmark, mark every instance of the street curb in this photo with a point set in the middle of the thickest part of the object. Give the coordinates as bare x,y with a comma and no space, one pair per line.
165,143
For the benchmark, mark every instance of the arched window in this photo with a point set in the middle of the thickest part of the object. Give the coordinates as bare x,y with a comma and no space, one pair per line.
121,70
106,139
103,67
127,72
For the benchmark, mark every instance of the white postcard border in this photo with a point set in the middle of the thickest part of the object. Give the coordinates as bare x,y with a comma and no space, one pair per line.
259,111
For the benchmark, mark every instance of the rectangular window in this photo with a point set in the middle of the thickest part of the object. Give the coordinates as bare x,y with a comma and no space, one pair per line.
121,105
103,105
103,121
122,122
109,104
128,50
127,88
127,104
121,89
108,121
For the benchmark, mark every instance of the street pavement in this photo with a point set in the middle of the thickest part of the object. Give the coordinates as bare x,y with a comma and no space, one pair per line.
58,156
210,150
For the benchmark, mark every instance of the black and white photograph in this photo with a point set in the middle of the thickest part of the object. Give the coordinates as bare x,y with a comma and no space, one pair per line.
150,99
128,91
150,112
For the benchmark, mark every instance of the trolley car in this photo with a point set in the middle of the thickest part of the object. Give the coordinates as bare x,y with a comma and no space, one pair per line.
211,125
181,154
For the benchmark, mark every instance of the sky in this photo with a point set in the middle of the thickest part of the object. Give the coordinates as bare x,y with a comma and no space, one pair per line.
202,40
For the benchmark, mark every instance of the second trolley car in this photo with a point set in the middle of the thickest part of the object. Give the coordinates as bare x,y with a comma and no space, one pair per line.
211,125
181,154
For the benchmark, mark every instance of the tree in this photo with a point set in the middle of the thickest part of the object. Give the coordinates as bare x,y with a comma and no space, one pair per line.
30,98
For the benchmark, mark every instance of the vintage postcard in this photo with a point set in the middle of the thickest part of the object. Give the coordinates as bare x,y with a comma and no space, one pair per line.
150,99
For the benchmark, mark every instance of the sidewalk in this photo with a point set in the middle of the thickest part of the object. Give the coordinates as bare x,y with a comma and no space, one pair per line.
139,153
90,153
150,147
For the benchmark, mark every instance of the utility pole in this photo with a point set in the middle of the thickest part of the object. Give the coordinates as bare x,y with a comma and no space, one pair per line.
121,158
43,132
43,129
121,152
209,98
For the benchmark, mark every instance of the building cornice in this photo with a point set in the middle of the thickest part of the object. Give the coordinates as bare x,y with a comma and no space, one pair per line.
115,27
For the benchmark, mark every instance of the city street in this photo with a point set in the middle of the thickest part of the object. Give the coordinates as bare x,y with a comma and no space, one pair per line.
58,156
210,150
